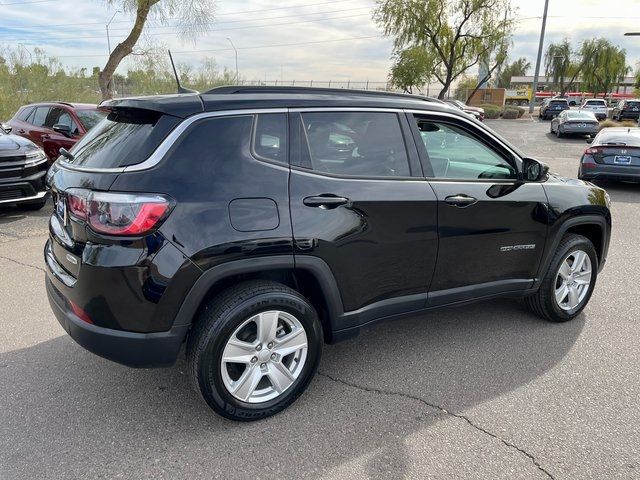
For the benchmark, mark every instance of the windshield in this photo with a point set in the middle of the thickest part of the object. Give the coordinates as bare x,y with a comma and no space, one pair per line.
596,103
90,118
125,137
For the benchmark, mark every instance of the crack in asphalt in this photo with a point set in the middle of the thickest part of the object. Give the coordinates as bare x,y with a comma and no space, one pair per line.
443,410
23,264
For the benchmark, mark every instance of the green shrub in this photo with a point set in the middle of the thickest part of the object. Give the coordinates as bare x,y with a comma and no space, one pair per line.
512,112
491,111
613,123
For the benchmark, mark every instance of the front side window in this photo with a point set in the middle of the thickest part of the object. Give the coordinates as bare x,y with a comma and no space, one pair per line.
59,116
454,153
270,137
367,144
39,117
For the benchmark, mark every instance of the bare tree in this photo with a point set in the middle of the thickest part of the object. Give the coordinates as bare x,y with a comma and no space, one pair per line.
191,17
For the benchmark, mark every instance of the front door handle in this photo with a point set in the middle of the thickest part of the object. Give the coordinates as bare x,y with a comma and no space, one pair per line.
21,131
45,136
461,200
326,202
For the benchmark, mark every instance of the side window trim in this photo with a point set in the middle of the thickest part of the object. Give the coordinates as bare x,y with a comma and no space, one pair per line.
506,155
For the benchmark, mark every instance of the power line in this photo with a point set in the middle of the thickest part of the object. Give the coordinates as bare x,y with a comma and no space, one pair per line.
27,3
240,12
208,30
245,48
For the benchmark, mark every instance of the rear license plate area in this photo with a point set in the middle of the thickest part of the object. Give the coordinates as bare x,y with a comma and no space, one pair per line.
622,160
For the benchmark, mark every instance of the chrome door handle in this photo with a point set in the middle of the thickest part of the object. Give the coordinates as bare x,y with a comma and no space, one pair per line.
461,200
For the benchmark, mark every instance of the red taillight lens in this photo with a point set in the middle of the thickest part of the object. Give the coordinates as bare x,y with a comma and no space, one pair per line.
593,151
121,214
77,202
80,313
118,213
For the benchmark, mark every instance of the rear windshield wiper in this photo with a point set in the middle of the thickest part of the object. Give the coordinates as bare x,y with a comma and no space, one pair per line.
66,154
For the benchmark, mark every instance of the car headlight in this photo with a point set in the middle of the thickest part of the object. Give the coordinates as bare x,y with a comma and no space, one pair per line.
35,156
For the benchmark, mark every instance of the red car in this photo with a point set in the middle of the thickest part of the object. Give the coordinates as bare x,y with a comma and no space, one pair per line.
53,125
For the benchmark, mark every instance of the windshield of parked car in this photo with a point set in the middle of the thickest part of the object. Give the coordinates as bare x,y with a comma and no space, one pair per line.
90,118
596,103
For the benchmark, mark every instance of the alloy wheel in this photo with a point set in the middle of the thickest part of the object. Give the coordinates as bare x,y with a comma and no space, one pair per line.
573,280
264,356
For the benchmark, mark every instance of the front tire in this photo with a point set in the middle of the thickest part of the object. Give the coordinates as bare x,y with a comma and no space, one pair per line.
254,349
569,281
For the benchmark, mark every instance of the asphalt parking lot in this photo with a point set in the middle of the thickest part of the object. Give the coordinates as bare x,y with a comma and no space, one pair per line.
482,391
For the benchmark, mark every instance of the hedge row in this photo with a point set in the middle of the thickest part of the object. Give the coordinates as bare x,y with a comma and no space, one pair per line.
509,111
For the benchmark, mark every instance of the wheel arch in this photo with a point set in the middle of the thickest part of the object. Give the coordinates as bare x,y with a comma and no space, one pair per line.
310,276
594,227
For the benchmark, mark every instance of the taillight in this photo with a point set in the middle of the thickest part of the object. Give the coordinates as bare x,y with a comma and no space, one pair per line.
80,313
593,151
118,213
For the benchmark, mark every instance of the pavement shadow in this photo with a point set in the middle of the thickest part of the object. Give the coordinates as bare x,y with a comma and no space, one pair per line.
621,192
65,409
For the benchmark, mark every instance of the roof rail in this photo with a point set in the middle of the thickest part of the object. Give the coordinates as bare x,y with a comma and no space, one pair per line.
235,89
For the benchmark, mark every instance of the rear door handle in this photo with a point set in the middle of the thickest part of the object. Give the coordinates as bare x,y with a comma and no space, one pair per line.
45,136
325,202
461,200
21,131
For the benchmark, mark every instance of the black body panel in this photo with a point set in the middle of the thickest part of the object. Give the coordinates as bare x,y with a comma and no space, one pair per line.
375,248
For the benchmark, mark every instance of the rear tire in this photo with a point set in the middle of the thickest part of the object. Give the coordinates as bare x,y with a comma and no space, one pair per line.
228,329
558,133
544,302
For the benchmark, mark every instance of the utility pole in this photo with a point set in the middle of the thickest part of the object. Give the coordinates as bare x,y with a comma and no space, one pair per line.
107,27
236,51
540,45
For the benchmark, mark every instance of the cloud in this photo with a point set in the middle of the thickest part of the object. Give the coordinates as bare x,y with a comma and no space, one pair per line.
75,32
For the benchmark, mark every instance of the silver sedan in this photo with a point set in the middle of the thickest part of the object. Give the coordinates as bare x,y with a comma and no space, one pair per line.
580,122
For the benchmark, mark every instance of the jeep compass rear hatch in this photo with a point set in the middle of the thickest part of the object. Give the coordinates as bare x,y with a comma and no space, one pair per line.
84,209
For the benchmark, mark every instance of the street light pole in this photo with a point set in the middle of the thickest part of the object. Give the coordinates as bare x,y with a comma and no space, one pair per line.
540,45
236,51
107,26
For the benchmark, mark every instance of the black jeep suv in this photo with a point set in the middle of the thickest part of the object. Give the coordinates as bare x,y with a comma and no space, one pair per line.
254,224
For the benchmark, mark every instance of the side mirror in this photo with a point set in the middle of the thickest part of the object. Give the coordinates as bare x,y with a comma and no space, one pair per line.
63,129
6,127
534,170
589,139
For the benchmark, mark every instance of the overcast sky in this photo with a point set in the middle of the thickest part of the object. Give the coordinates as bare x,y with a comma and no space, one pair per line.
300,39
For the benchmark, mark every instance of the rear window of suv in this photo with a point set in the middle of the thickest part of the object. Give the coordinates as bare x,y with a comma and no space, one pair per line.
125,137
558,102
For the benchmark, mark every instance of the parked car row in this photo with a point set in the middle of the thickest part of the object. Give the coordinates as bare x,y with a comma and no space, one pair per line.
31,141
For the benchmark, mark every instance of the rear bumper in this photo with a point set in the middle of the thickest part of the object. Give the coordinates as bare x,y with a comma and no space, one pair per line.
578,130
607,172
158,349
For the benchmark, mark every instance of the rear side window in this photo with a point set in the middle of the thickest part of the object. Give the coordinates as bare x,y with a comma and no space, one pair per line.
125,137
368,144
270,137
